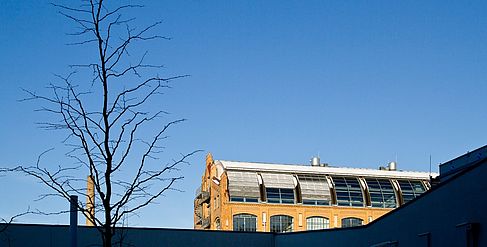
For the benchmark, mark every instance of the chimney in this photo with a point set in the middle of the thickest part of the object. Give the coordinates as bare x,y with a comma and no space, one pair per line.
90,201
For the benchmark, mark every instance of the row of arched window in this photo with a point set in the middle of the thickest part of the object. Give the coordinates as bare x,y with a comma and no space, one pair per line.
322,190
285,223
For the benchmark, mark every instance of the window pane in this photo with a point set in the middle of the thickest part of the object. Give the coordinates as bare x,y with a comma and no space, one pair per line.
314,187
273,200
410,189
351,222
243,184
381,193
281,223
243,199
280,195
348,192
317,223
316,202
245,222
272,190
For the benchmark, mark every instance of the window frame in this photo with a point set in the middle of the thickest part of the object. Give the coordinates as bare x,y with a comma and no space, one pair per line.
350,220
315,190
244,199
247,220
280,195
311,223
348,191
409,192
282,218
381,193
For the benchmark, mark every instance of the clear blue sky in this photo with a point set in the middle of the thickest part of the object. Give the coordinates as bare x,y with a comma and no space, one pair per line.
357,82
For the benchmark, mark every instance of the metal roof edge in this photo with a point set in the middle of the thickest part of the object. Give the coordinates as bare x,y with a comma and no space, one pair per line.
270,167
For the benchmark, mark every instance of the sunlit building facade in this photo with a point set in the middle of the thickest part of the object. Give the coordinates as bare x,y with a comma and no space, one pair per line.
244,196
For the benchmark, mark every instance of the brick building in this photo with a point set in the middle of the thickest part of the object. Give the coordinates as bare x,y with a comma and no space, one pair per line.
244,196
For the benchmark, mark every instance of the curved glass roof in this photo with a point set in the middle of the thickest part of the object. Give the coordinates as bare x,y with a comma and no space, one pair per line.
309,189
411,189
314,190
243,184
381,193
348,192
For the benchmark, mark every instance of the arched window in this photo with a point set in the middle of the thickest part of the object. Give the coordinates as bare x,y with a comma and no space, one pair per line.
217,224
317,223
279,187
381,193
243,186
314,190
351,222
348,192
245,222
410,189
281,223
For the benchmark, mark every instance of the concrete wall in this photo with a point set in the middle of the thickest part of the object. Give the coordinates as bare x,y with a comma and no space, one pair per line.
439,213
18,235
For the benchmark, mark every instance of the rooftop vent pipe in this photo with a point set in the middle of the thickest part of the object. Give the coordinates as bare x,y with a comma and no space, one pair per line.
392,166
315,161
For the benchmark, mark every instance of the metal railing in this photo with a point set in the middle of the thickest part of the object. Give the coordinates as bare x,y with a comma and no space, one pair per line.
197,192
201,196
205,223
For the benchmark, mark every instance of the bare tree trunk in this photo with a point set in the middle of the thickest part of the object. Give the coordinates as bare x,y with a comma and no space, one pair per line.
107,236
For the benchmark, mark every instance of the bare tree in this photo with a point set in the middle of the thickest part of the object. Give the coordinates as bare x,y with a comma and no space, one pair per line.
104,117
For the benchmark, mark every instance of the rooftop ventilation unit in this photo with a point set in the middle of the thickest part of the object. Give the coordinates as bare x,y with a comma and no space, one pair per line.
315,161
392,166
